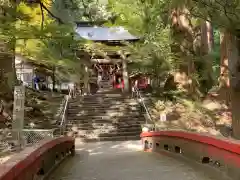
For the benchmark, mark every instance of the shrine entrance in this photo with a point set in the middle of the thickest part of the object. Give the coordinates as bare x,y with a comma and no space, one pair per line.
108,75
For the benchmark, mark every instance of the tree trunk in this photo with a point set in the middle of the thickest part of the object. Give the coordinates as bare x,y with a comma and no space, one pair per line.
8,77
234,75
207,37
182,34
206,48
124,72
224,83
7,82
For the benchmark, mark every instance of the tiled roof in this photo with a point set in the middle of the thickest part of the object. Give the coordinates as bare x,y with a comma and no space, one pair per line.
105,33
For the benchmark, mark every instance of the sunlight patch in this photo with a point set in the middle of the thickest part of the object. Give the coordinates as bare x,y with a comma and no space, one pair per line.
116,146
95,153
133,146
127,145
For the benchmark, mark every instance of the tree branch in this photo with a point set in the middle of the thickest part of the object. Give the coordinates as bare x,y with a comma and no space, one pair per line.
49,12
42,16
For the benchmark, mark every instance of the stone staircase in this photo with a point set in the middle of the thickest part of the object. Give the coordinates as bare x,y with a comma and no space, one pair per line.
105,116
106,84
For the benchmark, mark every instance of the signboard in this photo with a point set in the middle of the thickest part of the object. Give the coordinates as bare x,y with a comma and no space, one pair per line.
163,117
18,110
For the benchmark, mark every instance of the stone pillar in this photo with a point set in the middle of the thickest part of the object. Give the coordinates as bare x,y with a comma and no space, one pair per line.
18,114
86,80
99,78
125,75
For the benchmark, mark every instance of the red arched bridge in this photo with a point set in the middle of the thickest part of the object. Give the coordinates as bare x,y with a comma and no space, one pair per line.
168,155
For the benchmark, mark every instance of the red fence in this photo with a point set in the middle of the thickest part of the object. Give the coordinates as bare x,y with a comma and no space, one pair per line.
223,154
36,162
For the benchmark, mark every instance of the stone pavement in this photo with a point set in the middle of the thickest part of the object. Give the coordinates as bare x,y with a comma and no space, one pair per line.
125,161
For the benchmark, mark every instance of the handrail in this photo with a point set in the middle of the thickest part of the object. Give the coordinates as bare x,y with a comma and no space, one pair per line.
144,105
63,113
63,119
64,110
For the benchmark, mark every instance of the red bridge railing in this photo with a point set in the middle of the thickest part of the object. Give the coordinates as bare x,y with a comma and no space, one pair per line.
220,153
37,162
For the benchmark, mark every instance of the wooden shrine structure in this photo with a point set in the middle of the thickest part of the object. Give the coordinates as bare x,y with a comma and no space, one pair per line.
109,66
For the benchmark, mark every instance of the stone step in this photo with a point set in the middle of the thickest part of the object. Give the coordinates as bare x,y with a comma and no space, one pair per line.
105,102
105,116
105,120
110,134
106,129
100,98
104,106
113,134
111,91
103,95
109,126
106,85
116,138
110,119
106,94
106,125
106,98
116,120
101,114
119,122
105,134
107,109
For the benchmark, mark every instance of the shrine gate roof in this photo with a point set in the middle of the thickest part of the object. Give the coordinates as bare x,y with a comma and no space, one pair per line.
105,34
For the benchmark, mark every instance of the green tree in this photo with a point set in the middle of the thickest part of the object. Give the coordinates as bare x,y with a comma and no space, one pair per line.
174,33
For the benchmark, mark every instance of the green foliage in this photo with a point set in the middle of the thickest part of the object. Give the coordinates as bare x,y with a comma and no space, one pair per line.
152,54
37,36
216,55
221,13
151,20
35,32
80,10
